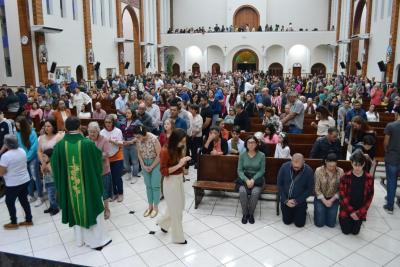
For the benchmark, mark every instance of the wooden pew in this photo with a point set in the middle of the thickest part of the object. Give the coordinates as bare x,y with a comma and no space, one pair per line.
219,173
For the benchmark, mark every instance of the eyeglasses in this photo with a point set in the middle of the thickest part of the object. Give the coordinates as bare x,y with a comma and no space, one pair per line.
107,121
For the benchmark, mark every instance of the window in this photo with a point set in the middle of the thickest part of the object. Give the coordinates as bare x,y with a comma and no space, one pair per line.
110,12
49,7
390,8
102,13
4,37
382,9
74,9
63,9
94,17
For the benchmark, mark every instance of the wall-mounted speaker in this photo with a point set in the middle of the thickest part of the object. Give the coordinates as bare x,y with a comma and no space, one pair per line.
147,65
127,65
358,65
382,66
342,65
53,67
97,66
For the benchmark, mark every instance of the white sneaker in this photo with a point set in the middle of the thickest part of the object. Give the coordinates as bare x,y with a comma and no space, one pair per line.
134,179
39,202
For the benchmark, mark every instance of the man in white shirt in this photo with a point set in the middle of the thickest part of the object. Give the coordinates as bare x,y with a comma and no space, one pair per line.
249,86
120,106
158,83
153,110
80,99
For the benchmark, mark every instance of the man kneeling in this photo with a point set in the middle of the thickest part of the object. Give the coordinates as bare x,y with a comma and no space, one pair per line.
295,182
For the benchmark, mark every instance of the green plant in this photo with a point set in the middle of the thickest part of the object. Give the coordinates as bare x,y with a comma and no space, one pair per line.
170,59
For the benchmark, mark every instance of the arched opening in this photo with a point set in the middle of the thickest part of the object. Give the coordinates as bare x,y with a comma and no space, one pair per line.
318,69
275,69
245,59
296,71
132,51
79,73
176,69
196,69
357,47
246,15
216,70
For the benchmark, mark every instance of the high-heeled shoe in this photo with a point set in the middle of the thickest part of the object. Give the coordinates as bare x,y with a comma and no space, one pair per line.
147,213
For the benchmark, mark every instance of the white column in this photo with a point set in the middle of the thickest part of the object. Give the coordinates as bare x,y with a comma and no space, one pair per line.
205,61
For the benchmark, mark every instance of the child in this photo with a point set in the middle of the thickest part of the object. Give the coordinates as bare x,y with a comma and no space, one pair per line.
282,150
49,182
270,136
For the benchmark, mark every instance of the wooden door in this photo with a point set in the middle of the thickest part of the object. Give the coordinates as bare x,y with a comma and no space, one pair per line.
79,73
196,69
246,16
215,69
275,69
176,70
296,71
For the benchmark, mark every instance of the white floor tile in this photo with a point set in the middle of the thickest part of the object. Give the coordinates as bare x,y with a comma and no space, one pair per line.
352,242
248,243
55,253
194,227
308,238
133,231
332,250
289,247
312,258
115,252
135,261
376,254
243,261
214,221
269,256
388,243
41,229
158,256
93,258
19,247
225,252
45,241
145,243
290,263
200,260
73,250
355,260
230,231
182,251
394,263
208,239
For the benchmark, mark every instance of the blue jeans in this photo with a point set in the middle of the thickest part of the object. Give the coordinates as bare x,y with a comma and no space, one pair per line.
294,129
392,172
107,186
116,173
36,182
131,160
51,193
324,215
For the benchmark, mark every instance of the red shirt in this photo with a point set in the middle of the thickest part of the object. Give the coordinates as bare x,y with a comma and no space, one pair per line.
165,164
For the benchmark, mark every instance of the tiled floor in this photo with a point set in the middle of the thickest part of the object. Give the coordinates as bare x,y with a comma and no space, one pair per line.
215,236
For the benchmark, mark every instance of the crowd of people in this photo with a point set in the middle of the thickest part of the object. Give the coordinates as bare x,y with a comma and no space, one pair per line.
240,28
156,126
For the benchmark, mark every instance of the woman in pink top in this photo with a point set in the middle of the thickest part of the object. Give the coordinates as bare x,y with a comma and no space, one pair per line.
36,111
277,101
376,96
270,136
49,138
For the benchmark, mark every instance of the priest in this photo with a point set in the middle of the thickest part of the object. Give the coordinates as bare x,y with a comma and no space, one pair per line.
77,166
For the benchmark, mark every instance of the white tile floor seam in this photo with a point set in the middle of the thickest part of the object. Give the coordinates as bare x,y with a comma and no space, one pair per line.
215,236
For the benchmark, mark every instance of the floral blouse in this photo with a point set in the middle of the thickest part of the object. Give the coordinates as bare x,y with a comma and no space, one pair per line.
147,148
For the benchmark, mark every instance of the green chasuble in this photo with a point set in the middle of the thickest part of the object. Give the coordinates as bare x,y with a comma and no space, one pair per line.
77,167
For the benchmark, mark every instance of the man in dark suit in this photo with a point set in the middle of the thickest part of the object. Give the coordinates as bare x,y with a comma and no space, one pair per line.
242,118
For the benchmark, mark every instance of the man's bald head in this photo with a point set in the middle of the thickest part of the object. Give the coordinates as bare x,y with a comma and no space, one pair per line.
297,161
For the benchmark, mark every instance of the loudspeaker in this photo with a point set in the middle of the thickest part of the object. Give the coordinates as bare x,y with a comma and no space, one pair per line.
342,65
358,65
127,65
97,66
53,67
147,65
382,66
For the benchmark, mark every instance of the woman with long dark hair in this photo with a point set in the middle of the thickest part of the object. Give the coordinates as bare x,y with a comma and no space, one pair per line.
28,141
172,162
325,121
